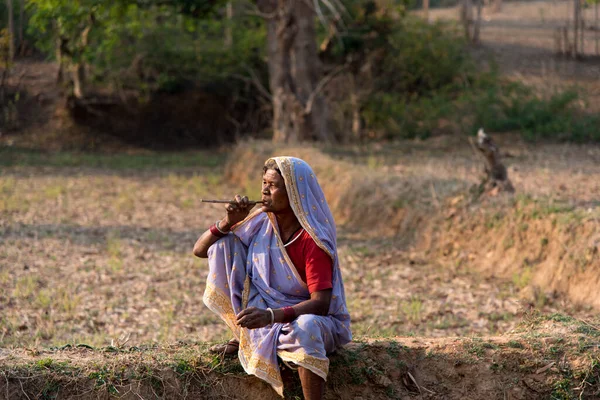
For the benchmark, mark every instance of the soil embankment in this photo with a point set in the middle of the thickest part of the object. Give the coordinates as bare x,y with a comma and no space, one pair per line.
554,357
545,238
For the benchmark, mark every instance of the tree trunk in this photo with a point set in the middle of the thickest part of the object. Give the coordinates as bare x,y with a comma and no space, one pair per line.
496,176
228,32
78,68
477,27
299,111
426,10
576,17
596,27
355,106
11,30
60,76
466,17
21,24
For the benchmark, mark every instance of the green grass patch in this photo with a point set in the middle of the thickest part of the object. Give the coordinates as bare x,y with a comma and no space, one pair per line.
13,157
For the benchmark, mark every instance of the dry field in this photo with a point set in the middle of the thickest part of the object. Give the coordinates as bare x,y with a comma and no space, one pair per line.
100,295
97,250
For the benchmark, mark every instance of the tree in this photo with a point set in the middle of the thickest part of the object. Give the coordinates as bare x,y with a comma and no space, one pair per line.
299,108
73,24
11,30
470,24
70,23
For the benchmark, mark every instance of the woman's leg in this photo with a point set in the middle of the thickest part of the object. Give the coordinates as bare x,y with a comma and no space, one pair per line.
313,386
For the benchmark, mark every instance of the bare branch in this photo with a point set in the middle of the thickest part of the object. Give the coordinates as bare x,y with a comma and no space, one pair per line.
320,86
317,8
256,81
256,12
335,12
343,8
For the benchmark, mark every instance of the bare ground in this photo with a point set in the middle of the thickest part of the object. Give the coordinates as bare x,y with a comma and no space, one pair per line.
101,256
521,40
92,255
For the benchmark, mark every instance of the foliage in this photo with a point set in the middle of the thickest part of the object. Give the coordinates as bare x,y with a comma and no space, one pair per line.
428,84
421,79
424,66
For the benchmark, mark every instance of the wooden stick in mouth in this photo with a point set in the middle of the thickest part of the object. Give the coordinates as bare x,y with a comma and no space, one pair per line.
250,202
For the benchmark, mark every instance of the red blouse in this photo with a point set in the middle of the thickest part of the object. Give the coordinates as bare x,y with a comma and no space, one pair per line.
314,266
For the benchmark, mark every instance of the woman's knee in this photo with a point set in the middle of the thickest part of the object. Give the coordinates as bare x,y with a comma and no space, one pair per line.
307,320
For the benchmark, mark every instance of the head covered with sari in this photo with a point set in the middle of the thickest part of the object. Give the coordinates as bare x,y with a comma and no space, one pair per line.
250,268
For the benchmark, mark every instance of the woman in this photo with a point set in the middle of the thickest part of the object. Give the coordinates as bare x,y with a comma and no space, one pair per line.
274,278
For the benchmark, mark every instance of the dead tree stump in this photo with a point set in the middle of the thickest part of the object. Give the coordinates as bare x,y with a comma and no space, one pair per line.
496,176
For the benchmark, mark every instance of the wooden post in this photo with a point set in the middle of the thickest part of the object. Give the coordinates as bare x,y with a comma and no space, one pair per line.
426,10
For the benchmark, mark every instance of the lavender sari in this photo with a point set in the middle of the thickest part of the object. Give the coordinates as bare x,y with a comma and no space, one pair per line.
250,267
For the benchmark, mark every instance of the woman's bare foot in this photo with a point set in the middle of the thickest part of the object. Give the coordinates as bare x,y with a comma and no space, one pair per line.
226,349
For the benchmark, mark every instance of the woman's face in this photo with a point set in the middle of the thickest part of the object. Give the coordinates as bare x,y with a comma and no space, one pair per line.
274,193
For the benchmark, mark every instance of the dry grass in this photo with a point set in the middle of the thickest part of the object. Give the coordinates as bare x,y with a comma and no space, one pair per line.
92,255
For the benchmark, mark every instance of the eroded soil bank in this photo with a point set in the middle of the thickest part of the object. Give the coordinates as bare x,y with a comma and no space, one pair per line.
547,357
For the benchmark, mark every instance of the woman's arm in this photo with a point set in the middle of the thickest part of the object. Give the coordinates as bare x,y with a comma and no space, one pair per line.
253,317
235,213
207,239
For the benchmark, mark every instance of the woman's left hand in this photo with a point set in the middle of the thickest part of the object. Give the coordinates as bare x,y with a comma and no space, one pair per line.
253,318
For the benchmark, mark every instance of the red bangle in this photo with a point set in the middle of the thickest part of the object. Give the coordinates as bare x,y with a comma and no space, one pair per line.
213,229
289,314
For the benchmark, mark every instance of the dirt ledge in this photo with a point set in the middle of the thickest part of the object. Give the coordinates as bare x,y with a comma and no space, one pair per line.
553,356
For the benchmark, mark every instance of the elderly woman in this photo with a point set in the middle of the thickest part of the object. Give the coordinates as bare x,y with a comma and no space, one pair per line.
274,278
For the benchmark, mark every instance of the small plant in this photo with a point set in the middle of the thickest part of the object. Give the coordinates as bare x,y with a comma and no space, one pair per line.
183,367
522,279
412,309
561,390
515,344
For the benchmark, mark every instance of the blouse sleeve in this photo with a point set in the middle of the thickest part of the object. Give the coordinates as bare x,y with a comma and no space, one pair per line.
319,268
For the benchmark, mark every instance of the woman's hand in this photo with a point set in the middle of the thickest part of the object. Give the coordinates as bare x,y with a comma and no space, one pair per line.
237,212
253,318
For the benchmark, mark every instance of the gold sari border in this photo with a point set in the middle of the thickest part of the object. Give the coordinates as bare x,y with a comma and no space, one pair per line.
287,169
317,365
220,304
253,364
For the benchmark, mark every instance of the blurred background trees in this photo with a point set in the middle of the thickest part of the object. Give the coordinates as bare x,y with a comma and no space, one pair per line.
202,72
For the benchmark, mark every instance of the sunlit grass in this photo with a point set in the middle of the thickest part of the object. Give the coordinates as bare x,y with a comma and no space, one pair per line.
11,199
25,287
11,157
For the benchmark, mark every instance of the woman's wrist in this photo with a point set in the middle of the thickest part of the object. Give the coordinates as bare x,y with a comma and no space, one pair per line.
223,227
285,314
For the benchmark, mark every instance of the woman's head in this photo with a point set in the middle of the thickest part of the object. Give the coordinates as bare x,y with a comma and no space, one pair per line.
274,193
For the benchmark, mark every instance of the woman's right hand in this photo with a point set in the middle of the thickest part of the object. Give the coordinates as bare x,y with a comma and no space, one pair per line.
237,212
